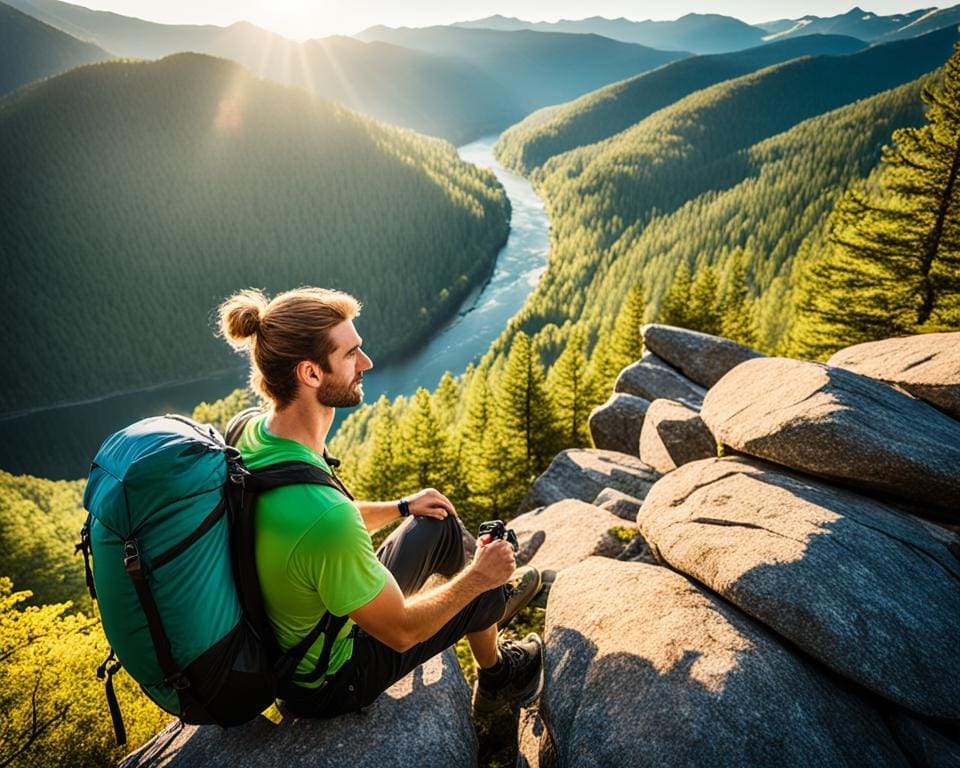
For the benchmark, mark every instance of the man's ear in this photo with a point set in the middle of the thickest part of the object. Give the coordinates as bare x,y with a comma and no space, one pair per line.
309,373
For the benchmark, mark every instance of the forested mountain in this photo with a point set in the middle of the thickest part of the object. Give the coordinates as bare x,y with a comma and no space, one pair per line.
495,424
459,89
610,201
31,50
695,32
135,196
609,110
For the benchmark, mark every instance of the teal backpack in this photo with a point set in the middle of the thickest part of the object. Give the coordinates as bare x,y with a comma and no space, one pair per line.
168,547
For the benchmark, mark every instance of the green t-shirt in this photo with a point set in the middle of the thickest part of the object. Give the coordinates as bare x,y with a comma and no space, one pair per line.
313,552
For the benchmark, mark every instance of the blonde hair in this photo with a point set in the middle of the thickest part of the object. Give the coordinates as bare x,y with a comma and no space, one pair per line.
279,334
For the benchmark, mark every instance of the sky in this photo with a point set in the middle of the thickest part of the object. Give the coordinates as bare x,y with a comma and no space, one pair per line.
303,19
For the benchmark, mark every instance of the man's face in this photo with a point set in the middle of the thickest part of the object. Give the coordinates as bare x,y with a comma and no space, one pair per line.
342,387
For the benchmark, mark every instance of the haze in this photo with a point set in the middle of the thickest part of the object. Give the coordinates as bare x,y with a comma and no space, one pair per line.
301,20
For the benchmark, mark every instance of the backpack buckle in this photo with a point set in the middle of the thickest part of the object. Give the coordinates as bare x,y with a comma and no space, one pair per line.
131,556
237,473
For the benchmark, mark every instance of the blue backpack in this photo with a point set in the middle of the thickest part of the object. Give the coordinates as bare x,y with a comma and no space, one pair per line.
170,538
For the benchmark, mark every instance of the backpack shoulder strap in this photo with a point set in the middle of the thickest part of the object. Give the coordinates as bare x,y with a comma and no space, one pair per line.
237,423
292,473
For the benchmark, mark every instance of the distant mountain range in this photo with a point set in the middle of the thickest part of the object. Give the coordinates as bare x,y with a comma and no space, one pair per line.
31,50
713,33
697,33
456,84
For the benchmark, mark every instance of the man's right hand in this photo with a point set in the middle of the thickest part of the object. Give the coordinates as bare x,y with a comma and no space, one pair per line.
494,562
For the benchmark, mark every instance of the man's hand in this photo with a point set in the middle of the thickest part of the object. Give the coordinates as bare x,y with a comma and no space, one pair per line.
494,561
430,503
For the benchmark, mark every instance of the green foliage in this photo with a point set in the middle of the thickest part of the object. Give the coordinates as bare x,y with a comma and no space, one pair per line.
139,194
567,384
426,458
627,225
54,707
731,177
219,412
40,523
526,426
608,111
623,533
675,307
892,267
627,341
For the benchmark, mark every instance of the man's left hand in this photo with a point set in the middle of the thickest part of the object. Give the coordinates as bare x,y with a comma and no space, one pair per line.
430,503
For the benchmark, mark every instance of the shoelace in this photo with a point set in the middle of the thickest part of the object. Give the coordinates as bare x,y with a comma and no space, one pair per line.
513,654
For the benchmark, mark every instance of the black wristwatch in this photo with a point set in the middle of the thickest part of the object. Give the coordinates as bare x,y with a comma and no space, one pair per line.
404,507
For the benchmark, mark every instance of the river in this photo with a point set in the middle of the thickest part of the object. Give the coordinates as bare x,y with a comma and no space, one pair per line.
60,441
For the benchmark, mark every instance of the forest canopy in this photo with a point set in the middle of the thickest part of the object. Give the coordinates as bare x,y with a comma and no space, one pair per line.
135,196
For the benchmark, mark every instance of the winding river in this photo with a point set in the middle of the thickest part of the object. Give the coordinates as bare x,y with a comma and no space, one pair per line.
58,442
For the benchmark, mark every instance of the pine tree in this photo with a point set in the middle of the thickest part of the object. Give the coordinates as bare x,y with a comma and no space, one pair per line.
704,313
627,342
445,400
737,321
379,476
602,370
525,419
426,460
567,382
893,266
674,309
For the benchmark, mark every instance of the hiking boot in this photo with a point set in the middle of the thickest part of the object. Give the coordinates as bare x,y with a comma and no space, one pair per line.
521,589
518,682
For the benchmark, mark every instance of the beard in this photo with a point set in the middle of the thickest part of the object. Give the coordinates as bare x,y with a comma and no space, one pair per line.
340,395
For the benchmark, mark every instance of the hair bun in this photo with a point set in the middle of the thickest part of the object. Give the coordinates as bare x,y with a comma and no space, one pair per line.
240,316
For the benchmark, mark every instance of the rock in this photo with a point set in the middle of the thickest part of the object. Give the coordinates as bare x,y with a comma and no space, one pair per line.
401,724
840,425
701,357
618,503
651,378
674,435
927,366
581,473
569,531
645,668
616,425
923,744
870,592
638,551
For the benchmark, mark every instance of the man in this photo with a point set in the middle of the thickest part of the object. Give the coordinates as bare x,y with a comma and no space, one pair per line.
313,548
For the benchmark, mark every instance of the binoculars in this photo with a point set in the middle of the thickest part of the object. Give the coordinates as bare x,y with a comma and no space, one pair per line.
498,530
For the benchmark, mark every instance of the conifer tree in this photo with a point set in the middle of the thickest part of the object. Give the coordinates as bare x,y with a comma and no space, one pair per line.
704,313
445,400
627,342
737,310
378,476
567,382
602,370
525,419
893,267
426,460
674,309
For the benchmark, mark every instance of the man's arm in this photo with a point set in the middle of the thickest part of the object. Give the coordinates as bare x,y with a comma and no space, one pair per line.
401,622
426,503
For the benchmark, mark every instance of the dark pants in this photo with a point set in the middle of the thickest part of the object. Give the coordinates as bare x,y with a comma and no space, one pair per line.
415,551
